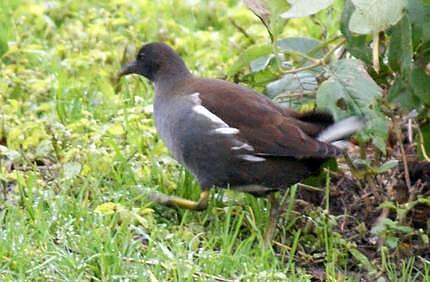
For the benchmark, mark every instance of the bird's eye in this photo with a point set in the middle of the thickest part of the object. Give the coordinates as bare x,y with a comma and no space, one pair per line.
141,55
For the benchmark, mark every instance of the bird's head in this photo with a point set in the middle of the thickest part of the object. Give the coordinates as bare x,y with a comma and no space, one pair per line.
155,60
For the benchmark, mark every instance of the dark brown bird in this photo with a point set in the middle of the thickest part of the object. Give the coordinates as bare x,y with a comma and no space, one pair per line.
227,135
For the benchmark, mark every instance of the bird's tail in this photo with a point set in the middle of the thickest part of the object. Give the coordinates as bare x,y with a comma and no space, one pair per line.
340,130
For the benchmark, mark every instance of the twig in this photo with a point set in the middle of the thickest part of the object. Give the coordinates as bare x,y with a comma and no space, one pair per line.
317,62
410,131
269,31
309,187
333,173
304,55
398,133
375,52
241,30
312,66
324,44
302,254
423,148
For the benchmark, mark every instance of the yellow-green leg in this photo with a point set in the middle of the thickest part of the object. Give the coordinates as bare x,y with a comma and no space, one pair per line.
175,201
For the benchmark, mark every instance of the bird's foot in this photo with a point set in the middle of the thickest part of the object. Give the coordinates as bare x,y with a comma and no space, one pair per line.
175,201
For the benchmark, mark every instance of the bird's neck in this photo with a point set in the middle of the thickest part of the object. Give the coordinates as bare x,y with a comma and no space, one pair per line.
167,78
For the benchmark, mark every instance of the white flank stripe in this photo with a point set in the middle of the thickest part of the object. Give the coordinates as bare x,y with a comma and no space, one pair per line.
244,146
205,112
251,158
196,98
226,130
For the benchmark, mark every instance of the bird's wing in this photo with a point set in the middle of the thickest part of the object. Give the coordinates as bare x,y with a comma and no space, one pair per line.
268,128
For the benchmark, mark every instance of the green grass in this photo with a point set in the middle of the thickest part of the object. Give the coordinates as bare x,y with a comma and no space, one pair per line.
74,140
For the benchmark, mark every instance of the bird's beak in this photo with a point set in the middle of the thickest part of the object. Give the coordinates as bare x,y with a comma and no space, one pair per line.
129,68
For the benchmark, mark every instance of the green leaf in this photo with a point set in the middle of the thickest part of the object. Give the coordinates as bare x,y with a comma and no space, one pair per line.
357,45
304,45
400,48
402,228
362,259
402,94
301,82
418,12
351,91
260,78
261,63
303,8
388,165
420,82
372,16
392,242
419,15
252,53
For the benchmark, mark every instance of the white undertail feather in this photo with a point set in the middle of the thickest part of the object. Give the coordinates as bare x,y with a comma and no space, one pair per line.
251,158
341,129
341,144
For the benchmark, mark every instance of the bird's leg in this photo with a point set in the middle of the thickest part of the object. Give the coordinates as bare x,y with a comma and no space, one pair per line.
273,219
175,201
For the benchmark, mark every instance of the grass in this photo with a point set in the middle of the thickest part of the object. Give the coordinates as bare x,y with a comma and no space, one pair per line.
78,150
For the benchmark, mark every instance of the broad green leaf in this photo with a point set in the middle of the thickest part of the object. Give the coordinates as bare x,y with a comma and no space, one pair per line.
418,12
351,91
302,45
252,53
372,16
357,45
302,82
419,15
420,82
260,78
402,94
261,63
400,49
303,8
